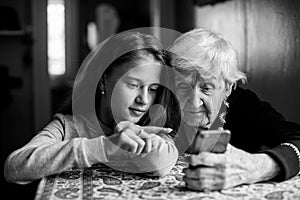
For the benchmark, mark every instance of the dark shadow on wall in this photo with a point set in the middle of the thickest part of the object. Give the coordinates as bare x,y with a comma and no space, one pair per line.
131,13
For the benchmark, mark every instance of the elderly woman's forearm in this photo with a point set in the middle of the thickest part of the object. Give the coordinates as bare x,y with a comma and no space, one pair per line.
266,168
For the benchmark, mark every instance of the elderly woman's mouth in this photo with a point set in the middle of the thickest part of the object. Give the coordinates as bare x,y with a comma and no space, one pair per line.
195,112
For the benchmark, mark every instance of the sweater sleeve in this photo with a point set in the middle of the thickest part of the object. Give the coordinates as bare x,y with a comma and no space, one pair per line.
287,160
51,151
258,128
158,162
58,148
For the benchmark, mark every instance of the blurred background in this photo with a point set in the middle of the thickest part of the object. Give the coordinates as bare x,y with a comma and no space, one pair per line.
43,42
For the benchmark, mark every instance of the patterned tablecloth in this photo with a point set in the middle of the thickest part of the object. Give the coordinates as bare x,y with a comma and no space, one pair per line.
101,182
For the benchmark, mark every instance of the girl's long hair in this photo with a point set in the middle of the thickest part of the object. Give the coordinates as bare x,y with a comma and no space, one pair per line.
141,46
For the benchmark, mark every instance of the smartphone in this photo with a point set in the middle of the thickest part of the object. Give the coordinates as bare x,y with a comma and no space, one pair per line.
214,141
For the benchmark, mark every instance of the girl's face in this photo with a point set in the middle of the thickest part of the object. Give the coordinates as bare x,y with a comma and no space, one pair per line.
132,92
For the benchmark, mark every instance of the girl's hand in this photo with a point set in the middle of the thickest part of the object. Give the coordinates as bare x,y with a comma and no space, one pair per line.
136,128
212,171
133,138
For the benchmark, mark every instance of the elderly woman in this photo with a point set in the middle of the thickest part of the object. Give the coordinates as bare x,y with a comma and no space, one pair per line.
263,146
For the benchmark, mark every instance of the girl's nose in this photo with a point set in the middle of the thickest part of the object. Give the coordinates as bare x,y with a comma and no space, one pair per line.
143,96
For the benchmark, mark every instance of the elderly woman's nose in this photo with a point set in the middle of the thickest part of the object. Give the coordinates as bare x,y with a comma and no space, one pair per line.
195,98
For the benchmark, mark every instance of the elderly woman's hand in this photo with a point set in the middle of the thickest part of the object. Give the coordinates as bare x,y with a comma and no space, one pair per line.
211,171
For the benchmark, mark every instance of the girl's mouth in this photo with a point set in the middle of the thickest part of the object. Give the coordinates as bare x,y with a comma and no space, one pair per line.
137,112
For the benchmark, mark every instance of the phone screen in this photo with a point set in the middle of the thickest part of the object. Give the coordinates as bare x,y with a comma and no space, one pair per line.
214,141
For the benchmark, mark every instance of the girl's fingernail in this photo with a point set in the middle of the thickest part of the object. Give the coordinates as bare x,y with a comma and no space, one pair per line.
169,129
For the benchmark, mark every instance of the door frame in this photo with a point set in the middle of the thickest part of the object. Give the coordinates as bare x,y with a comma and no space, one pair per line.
41,82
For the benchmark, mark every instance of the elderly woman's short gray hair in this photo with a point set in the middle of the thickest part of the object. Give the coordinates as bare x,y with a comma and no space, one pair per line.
202,48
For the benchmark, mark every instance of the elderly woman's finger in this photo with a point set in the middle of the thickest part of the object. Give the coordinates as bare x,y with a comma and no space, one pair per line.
230,148
204,172
203,184
234,180
207,159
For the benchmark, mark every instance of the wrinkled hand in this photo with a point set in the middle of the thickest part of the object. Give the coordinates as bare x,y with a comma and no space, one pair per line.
133,138
211,171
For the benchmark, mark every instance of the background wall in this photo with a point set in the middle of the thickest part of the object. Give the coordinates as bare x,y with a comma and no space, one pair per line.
266,34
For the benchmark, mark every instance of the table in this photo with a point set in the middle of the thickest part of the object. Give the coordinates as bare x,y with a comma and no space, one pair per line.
100,182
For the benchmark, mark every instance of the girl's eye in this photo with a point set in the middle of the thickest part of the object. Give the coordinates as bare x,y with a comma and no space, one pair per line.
153,89
133,85
183,87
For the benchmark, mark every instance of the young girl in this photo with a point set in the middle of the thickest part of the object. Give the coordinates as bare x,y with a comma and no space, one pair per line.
110,120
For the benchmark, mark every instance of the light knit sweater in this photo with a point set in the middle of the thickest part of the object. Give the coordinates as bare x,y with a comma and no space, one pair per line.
59,147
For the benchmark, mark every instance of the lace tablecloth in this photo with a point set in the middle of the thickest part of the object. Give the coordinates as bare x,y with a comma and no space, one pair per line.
101,182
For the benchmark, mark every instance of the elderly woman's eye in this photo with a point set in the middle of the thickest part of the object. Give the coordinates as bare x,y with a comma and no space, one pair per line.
207,88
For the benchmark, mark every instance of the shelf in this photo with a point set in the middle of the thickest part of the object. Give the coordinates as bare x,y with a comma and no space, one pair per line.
13,33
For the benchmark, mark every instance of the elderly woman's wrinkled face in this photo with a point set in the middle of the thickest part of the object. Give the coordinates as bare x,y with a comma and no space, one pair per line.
200,97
